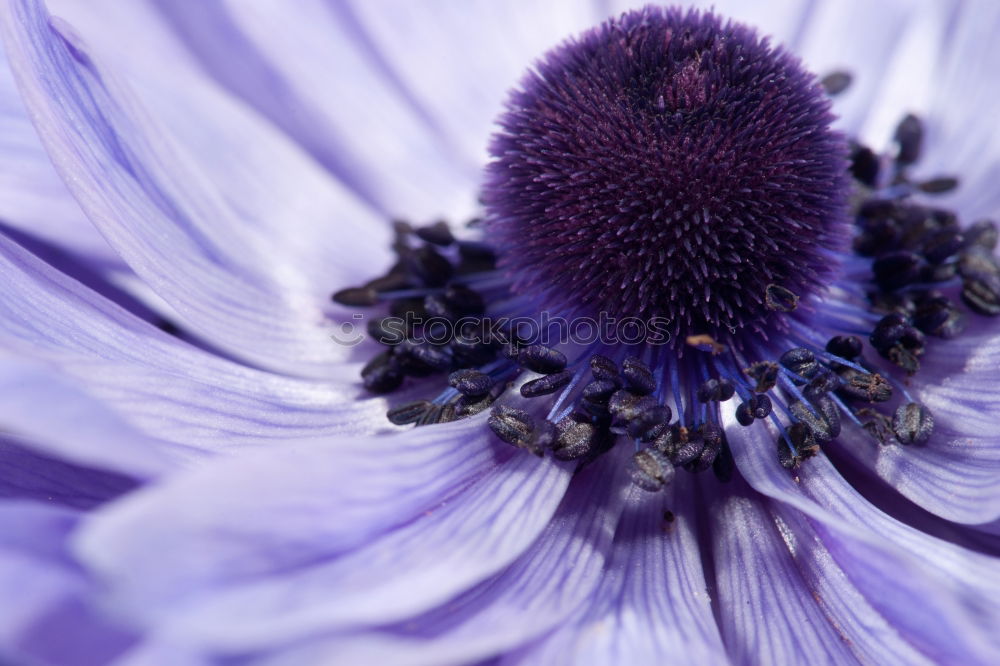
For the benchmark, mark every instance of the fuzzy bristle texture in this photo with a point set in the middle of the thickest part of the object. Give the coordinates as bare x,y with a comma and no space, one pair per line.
668,164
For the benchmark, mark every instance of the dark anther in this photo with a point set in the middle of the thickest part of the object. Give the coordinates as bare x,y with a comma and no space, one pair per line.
715,390
864,165
814,419
982,234
711,436
762,406
932,314
824,382
600,390
603,368
837,82
912,423
982,296
463,300
942,244
401,307
765,373
909,137
953,327
359,297
978,263
638,378
897,269
435,306
429,266
888,332
650,424
724,465
801,361
429,356
382,374
847,347
803,442
469,352
543,360
744,412
470,383
878,425
438,233
651,470
779,299
411,412
547,384
387,330
511,425
938,185
687,445
575,440
887,302
625,406
870,387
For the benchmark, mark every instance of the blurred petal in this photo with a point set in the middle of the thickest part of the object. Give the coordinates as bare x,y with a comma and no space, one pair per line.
223,572
45,617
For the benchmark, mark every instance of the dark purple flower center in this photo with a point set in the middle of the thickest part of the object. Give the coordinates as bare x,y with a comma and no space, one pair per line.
668,164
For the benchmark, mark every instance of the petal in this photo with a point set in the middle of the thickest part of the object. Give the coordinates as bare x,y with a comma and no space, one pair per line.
250,569
534,594
652,598
26,474
954,475
45,617
896,567
347,114
266,178
46,409
460,60
152,206
168,388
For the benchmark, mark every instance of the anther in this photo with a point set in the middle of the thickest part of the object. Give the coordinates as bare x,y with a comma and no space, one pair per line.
547,384
650,423
938,185
382,374
638,378
427,265
765,373
408,413
470,383
715,390
912,423
837,82
575,440
651,470
359,297
513,426
801,361
603,367
909,137
871,387
438,233
897,269
543,360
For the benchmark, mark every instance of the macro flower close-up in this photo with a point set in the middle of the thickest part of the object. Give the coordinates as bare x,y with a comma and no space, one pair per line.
441,332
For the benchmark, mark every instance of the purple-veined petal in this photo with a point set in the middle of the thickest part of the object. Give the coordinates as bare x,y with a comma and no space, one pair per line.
265,177
895,566
348,114
166,387
45,409
536,593
651,605
208,572
174,230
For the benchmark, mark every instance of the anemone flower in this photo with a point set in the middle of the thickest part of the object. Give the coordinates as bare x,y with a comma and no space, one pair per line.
786,453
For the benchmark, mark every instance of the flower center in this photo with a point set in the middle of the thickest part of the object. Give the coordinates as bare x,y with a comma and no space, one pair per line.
667,164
